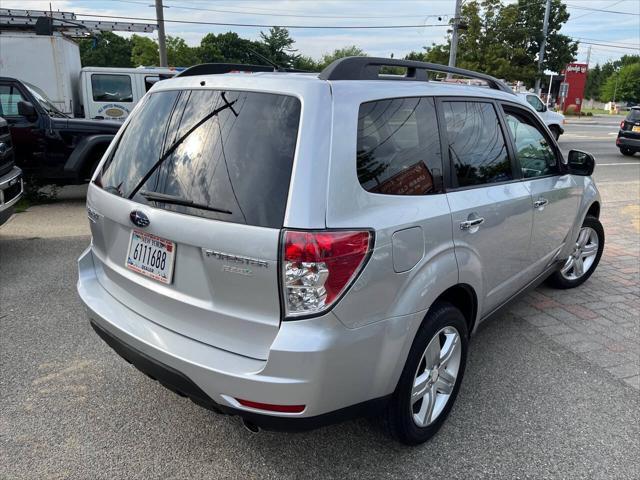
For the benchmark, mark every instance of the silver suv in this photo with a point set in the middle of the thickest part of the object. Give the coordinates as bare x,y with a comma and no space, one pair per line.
297,249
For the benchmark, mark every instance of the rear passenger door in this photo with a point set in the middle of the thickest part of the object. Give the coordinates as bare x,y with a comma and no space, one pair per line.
554,193
491,209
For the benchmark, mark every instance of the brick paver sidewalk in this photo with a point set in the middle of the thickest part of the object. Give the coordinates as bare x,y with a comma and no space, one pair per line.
600,320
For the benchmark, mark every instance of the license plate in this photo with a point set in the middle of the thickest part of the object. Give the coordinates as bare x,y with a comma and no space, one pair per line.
151,256
636,128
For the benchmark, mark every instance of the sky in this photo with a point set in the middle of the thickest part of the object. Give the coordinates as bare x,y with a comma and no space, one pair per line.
609,30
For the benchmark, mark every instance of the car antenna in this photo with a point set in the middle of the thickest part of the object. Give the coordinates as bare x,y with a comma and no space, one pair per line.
276,67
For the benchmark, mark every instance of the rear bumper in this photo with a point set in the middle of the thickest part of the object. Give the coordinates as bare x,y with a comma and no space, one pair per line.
633,143
11,190
337,373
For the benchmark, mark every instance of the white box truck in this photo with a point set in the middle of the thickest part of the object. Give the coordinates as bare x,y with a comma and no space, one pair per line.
51,62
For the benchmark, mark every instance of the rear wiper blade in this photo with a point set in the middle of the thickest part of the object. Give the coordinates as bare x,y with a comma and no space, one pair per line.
177,143
175,200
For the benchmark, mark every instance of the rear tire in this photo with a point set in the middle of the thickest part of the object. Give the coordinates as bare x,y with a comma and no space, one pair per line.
627,151
584,259
443,339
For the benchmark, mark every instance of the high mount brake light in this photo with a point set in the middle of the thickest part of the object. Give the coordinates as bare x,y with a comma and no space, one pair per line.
317,267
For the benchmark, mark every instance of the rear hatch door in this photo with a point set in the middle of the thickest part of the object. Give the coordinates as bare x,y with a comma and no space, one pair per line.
187,212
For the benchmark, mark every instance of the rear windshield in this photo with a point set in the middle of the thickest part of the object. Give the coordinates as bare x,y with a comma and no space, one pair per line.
225,155
634,115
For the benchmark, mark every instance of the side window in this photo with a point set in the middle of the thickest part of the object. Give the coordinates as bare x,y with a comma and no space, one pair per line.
111,88
535,102
535,154
150,81
398,150
9,98
477,149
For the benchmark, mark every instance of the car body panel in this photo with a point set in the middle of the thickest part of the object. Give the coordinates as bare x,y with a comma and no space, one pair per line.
227,334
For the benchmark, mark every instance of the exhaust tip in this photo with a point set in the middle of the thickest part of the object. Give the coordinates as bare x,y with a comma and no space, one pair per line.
249,425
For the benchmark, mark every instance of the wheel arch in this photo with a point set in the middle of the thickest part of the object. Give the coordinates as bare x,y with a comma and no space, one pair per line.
594,209
463,297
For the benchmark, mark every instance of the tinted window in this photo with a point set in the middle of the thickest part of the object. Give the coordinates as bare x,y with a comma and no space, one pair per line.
633,115
111,88
9,98
477,150
238,159
533,150
398,151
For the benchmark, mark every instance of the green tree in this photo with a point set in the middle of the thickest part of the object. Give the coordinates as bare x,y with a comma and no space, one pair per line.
278,46
623,85
504,40
594,82
303,62
179,54
105,50
229,47
144,51
349,51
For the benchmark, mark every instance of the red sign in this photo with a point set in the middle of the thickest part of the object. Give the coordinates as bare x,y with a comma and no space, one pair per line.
576,76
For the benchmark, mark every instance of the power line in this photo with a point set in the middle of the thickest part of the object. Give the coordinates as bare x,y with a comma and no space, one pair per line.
254,13
591,13
602,10
602,42
262,25
610,46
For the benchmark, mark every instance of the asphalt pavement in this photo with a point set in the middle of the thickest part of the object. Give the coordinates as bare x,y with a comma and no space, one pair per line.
529,407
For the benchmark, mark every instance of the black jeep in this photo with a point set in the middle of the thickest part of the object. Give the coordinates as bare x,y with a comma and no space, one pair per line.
50,146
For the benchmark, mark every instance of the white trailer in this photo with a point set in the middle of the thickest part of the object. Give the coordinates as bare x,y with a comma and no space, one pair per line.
50,62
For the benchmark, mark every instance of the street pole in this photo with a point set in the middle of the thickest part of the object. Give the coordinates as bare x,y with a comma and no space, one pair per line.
543,45
453,51
549,91
162,44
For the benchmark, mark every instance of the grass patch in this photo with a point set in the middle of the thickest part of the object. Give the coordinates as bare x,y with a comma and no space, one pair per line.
36,193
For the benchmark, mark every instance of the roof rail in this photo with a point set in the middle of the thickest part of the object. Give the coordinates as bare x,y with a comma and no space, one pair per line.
368,68
218,68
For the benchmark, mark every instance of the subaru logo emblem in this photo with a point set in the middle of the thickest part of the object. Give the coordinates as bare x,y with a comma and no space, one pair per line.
3,148
139,218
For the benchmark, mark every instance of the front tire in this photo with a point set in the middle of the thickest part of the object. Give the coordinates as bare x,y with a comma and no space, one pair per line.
585,256
627,152
431,377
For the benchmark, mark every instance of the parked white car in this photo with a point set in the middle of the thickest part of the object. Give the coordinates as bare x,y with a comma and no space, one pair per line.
553,120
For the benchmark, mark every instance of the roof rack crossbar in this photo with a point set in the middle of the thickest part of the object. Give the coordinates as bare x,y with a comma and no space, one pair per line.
368,68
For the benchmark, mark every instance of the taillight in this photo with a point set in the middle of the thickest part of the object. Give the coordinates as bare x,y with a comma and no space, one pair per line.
317,267
622,125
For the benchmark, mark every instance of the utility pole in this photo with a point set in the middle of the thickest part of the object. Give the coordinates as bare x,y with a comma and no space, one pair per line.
543,45
588,56
453,51
162,44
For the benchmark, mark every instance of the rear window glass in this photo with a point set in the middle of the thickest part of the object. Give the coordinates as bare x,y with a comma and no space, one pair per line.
398,150
634,115
228,153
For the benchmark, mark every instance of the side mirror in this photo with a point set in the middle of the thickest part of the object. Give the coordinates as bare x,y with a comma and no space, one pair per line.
26,109
581,163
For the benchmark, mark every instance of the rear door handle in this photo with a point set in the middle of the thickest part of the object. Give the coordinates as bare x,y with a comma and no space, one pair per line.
468,224
541,202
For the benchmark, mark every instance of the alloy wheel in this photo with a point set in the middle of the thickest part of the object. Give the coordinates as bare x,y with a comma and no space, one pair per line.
436,376
583,255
